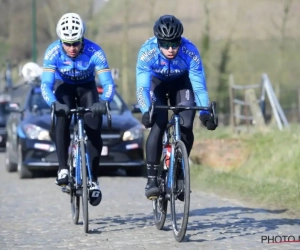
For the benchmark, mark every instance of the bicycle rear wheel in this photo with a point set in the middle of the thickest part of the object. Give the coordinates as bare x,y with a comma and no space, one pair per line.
160,205
180,196
75,204
74,198
84,188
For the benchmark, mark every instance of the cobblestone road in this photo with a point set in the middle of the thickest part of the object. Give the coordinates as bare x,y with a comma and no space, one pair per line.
35,214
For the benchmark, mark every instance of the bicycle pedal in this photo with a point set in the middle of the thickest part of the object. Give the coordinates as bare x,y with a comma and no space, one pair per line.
65,189
168,197
152,198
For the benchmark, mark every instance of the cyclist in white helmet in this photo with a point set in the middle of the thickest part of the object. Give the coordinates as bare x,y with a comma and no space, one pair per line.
69,68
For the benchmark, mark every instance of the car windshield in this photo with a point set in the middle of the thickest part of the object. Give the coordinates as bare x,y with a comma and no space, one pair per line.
37,101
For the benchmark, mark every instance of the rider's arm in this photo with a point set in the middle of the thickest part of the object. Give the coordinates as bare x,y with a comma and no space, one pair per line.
104,75
143,83
198,79
48,75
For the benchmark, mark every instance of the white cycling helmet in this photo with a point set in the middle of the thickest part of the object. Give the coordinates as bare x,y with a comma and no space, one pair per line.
70,27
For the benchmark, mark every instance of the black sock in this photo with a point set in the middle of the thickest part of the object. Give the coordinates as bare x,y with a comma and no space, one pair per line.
152,170
61,168
94,174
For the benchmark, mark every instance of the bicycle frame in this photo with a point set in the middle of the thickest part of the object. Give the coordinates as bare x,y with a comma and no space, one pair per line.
169,190
81,182
78,119
81,137
176,135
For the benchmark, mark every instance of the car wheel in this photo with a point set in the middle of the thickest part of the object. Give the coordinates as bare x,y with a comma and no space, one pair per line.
23,171
136,171
10,166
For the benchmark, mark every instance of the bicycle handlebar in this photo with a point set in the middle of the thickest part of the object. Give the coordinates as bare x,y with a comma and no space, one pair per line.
212,109
79,110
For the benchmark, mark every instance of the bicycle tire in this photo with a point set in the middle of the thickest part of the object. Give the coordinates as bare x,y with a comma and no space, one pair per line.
75,206
85,211
74,198
160,205
181,153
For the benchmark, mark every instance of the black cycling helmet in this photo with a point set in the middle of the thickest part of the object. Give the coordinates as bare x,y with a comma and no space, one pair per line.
168,28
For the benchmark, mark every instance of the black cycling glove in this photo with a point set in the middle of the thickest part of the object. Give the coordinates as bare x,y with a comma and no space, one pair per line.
146,120
99,108
61,108
208,121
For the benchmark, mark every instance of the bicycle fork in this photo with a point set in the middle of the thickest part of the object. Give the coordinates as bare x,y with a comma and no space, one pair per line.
88,165
173,167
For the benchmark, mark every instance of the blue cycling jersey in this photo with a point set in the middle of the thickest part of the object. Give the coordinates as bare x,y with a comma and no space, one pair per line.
151,62
58,66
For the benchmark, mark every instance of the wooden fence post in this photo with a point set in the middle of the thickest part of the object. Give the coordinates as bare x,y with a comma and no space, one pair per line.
257,115
231,97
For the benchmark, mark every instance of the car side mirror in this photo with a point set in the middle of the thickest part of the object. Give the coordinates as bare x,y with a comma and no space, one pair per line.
34,108
135,108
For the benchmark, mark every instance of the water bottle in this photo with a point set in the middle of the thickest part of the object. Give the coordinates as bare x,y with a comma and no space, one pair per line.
166,155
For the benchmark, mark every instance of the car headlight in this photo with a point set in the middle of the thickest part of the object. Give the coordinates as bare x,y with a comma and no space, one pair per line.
35,132
134,133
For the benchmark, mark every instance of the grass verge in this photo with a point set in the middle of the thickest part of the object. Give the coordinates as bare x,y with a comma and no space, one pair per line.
270,177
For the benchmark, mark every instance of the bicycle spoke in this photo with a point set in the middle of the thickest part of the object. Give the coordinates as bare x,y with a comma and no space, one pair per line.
74,199
180,197
84,188
160,206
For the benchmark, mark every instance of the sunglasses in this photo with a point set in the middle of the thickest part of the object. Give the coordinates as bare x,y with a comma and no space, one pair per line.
74,44
167,45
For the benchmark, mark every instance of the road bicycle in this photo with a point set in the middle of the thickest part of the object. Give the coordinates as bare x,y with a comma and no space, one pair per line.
80,178
174,177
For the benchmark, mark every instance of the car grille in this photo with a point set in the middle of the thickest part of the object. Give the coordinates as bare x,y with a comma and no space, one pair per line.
51,157
111,137
129,156
2,130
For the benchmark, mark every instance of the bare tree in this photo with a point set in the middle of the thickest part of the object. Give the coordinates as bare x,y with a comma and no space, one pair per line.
4,13
223,71
282,29
125,49
50,18
152,16
205,39
18,23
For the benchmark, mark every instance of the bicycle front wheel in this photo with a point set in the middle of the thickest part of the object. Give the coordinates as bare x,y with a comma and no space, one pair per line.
75,205
180,196
84,188
74,198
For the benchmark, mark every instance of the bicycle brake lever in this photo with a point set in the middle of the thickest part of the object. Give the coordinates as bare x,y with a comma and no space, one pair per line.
213,107
151,110
108,115
52,117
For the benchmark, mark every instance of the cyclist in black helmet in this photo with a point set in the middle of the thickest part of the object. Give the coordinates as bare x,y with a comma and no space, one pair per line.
169,64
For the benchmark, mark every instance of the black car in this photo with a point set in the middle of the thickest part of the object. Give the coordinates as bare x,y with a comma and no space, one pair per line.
4,112
30,144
